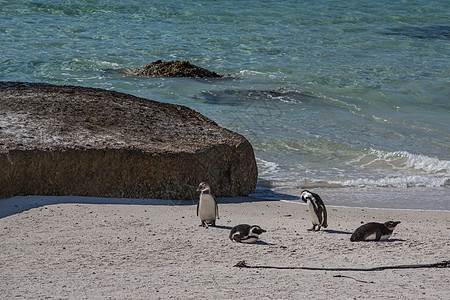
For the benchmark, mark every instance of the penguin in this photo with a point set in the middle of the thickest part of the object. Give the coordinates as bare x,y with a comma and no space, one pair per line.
374,231
207,208
317,210
245,233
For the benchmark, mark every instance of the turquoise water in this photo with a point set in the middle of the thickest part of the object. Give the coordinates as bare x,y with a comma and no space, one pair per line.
331,95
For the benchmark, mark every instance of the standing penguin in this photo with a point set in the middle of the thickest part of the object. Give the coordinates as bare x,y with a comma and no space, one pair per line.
245,233
374,231
207,208
317,210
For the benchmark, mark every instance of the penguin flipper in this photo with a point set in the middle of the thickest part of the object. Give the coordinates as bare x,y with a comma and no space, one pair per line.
378,236
319,213
322,211
316,196
236,237
325,218
217,207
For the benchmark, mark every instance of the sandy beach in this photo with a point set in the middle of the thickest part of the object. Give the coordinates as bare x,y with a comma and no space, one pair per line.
99,248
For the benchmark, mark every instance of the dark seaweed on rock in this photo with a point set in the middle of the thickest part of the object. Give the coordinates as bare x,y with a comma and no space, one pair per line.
174,69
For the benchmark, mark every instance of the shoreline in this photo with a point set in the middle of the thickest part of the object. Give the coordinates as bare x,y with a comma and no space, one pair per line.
415,198
114,250
374,208
17,204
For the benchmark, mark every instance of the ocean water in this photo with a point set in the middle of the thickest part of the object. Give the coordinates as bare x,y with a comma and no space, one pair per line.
347,99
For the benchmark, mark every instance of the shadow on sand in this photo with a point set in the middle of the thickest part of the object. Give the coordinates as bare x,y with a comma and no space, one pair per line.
222,227
264,243
392,241
18,204
336,231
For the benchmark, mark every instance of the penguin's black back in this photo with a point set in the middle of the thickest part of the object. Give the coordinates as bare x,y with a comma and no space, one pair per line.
243,230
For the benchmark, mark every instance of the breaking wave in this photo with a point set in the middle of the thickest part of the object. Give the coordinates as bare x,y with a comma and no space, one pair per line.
372,168
403,160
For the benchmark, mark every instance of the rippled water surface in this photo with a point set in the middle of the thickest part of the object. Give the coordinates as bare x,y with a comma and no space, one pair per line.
331,95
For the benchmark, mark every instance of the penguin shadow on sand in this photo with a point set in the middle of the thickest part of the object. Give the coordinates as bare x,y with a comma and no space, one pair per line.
331,231
222,227
392,240
264,243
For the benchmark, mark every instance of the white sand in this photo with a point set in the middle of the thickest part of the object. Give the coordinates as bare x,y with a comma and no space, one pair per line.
105,249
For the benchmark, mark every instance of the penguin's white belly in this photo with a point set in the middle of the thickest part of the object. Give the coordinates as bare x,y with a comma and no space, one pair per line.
312,213
207,208
371,237
249,240
385,237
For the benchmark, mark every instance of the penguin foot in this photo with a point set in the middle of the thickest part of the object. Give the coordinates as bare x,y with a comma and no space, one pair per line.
314,228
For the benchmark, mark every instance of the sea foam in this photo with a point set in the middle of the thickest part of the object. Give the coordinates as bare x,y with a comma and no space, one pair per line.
403,160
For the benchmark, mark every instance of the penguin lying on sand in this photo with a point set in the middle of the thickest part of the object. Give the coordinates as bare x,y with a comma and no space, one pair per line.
374,231
245,233
317,210
207,208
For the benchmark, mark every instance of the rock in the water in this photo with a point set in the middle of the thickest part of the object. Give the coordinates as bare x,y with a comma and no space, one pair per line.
68,140
174,69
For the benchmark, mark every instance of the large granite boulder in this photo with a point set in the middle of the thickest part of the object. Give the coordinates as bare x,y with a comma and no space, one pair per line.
174,69
69,140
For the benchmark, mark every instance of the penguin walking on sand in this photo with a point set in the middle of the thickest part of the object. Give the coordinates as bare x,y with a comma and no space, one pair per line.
245,233
374,231
316,208
207,208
